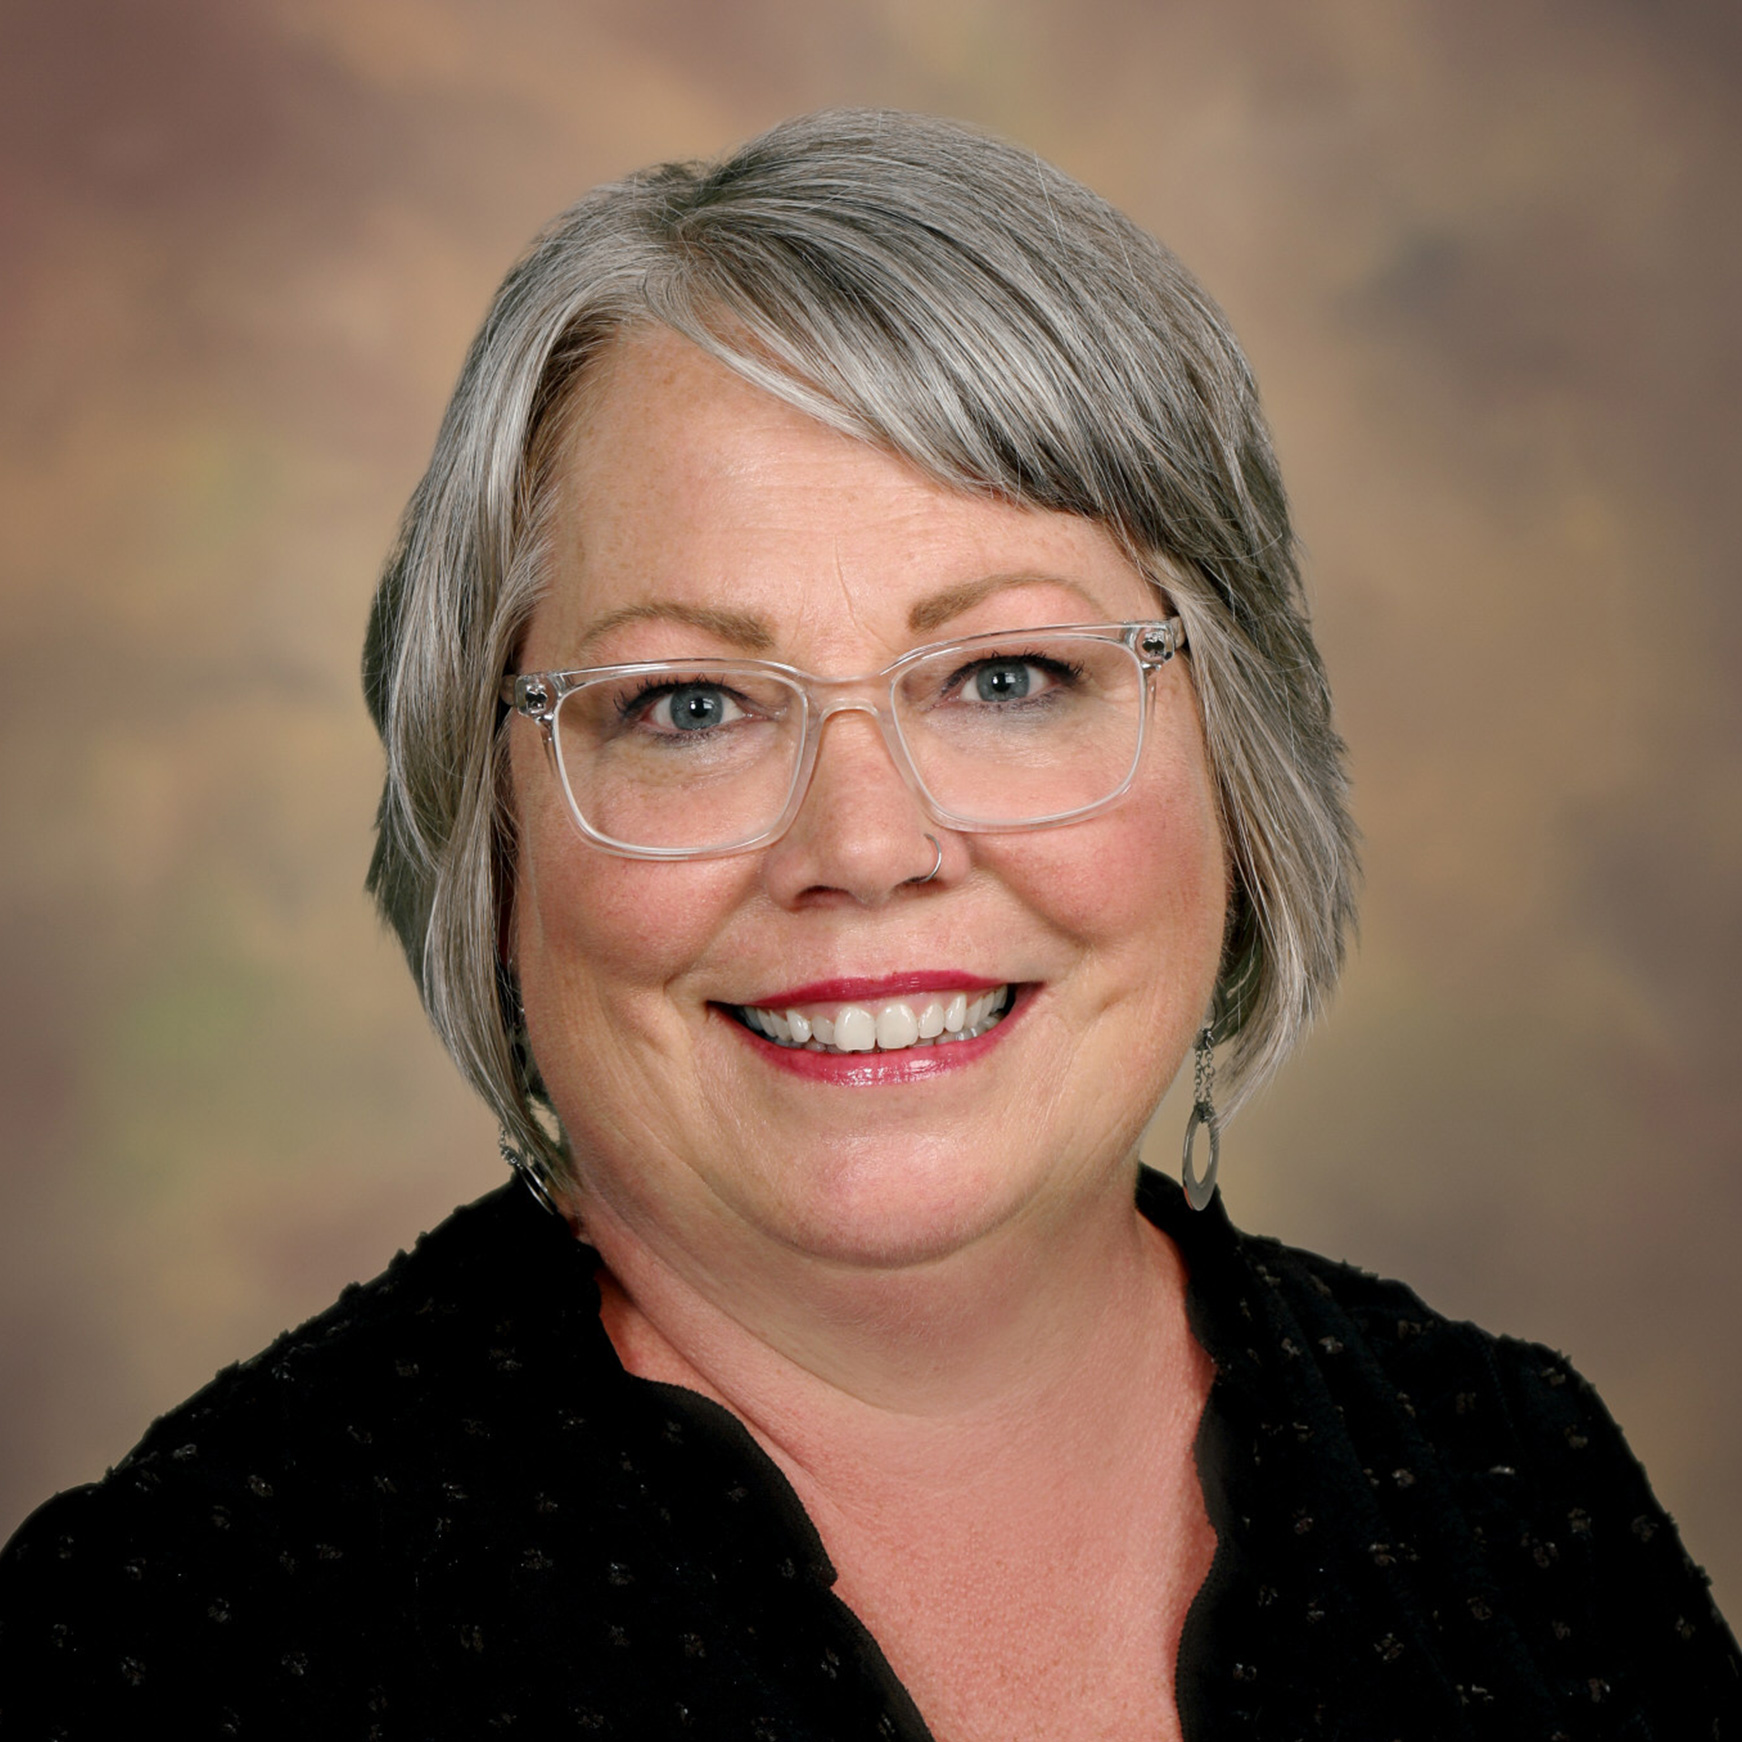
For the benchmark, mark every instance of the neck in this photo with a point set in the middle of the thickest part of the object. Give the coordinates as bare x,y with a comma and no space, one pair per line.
1020,1350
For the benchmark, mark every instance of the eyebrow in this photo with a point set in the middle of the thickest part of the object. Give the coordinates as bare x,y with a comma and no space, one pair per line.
936,611
752,633
743,628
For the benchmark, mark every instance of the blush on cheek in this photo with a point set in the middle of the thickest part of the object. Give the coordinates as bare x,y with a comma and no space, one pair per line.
618,926
1143,868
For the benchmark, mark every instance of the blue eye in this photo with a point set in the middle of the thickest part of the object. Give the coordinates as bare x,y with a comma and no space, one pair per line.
681,708
696,707
1007,680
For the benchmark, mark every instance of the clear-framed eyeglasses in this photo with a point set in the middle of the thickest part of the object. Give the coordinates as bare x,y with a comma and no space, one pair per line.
698,758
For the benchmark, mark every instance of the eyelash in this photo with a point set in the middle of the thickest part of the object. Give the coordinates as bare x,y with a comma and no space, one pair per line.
654,687
637,702
1061,671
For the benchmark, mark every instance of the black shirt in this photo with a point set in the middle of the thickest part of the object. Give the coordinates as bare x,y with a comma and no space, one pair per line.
442,1509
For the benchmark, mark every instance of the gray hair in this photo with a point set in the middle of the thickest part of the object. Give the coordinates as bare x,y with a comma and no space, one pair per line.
954,300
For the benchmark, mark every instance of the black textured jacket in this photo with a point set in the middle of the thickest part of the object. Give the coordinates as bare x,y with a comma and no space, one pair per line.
442,1510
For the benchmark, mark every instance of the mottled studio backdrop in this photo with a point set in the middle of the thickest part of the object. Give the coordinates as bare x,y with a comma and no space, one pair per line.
1486,256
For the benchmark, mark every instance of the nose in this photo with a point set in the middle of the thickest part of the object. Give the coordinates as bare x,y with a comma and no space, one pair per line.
860,832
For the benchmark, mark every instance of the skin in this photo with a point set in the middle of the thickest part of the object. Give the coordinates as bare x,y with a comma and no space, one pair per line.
932,1302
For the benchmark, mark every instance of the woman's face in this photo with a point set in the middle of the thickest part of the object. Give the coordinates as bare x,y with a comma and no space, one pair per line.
697,517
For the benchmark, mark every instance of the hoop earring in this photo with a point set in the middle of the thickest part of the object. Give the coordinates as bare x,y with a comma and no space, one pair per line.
1200,1191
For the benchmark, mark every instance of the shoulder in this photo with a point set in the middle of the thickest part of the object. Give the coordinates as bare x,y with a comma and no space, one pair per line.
452,1317
1490,1405
1511,1424
260,1518
1470,1489
1489,1408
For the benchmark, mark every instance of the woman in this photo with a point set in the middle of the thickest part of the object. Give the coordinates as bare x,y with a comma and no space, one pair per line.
852,733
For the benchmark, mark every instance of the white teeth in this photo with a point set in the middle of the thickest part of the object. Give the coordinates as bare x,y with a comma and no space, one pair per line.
855,1030
888,1027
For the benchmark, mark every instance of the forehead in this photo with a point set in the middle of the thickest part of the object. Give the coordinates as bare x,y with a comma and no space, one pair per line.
682,489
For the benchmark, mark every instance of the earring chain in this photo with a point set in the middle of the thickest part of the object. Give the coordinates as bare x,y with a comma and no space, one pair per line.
1204,1069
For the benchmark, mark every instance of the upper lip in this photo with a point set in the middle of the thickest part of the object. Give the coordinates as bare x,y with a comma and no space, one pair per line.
856,991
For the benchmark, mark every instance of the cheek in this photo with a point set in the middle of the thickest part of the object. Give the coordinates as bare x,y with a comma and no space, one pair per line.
1143,890
619,925
592,931
1145,873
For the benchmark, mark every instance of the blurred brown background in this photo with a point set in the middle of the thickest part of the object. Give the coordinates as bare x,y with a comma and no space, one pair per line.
1485,256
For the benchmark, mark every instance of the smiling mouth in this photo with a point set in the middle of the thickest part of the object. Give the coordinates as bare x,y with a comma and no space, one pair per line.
888,1025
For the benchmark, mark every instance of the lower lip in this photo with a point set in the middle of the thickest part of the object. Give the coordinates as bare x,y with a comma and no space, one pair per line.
868,1070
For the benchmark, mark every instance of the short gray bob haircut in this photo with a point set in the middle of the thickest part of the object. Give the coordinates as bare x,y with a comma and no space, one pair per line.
947,297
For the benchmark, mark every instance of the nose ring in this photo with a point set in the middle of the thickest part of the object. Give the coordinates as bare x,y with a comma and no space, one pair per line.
937,864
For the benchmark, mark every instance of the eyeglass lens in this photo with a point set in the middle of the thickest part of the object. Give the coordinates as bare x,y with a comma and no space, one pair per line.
999,735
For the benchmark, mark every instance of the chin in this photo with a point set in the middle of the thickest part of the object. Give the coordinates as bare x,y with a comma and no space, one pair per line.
888,1210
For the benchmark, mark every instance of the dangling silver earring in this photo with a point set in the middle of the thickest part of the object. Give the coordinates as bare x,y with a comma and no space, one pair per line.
531,1174
1200,1191
520,1046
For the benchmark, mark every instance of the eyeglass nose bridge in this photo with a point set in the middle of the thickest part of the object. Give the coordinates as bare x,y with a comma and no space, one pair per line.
873,695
